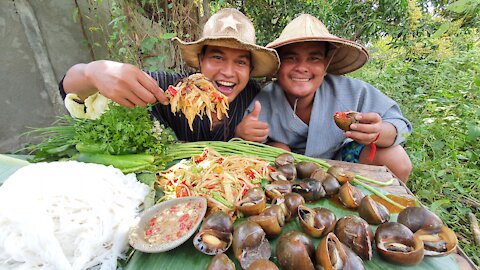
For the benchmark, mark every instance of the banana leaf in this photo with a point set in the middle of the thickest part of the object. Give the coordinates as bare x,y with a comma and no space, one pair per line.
9,164
187,257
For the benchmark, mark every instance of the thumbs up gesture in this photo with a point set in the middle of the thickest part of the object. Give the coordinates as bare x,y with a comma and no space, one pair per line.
251,128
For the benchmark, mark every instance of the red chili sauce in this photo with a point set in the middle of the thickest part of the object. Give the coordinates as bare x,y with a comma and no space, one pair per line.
172,223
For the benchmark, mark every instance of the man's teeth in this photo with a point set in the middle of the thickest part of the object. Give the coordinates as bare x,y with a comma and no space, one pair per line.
225,83
300,79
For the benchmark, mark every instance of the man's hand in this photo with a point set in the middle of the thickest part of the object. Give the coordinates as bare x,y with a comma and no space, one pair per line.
372,129
251,128
123,83
367,130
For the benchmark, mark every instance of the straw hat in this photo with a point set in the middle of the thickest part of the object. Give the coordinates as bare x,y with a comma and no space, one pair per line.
232,29
349,55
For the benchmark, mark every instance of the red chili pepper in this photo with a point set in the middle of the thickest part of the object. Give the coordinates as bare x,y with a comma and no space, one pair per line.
178,234
184,218
153,221
182,226
148,232
217,96
271,168
250,173
172,90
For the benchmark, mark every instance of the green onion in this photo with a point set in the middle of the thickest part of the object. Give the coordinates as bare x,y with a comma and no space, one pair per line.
219,198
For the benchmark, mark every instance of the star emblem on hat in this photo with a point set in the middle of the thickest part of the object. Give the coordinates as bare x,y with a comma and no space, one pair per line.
229,22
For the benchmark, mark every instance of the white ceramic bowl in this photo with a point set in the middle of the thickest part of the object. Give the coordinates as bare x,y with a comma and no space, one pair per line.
137,233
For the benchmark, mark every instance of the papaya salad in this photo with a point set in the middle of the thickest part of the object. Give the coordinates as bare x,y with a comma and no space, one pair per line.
221,180
197,95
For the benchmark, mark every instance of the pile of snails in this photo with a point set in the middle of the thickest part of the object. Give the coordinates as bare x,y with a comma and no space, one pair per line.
345,242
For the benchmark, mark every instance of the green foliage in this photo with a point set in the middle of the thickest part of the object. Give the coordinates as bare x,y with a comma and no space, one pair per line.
439,93
122,130
355,20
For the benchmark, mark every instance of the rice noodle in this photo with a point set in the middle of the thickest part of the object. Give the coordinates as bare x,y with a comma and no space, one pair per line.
67,215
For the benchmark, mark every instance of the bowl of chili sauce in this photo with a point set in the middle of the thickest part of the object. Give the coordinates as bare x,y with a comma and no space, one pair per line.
167,225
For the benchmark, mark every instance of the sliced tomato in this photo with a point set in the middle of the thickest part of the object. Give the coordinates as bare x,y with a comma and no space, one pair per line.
182,191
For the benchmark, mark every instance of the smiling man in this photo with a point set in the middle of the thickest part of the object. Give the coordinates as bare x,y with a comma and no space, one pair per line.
226,53
297,110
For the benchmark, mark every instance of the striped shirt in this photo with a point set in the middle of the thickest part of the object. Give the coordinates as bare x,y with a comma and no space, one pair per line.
201,127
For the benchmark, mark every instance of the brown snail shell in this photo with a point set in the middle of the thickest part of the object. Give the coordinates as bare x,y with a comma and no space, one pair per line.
344,119
269,224
416,218
310,189
277,176
221,262
335,170
295,250
439,243
278,188
342,175
292,202
345,176
355,233
316,222
212,242
373,212
277,211
306,168
332,254
288,170
319,174
283,159
218,221
271,220
250,243
397,244
253,202
331,185
350,196
262,265
280,201
215,235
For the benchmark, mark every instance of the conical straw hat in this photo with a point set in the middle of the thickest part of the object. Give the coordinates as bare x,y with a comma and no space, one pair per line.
232,29
349,55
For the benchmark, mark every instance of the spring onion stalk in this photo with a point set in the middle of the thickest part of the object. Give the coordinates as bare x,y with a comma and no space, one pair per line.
238,146
379,194
219,198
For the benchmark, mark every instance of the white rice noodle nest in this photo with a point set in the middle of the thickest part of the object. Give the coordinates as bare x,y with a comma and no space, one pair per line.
67,215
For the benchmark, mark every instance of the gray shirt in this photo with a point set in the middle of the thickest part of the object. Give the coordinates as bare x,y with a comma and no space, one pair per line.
322,138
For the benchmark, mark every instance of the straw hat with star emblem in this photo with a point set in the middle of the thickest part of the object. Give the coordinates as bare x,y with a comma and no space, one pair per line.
232,29
349,55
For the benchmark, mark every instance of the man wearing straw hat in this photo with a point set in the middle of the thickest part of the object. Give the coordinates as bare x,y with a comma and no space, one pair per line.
226,53
309,90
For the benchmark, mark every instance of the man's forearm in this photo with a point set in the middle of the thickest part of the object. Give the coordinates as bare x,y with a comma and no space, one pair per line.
76,81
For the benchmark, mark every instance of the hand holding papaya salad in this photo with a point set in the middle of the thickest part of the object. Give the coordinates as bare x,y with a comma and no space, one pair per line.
221,180
197,95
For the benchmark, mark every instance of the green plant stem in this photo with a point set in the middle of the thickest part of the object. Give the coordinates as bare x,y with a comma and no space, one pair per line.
241,147
378,193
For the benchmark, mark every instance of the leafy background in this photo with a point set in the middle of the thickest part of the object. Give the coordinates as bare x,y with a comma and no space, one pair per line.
424,54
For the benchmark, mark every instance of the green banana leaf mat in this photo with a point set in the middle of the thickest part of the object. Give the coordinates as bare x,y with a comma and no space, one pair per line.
187,257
